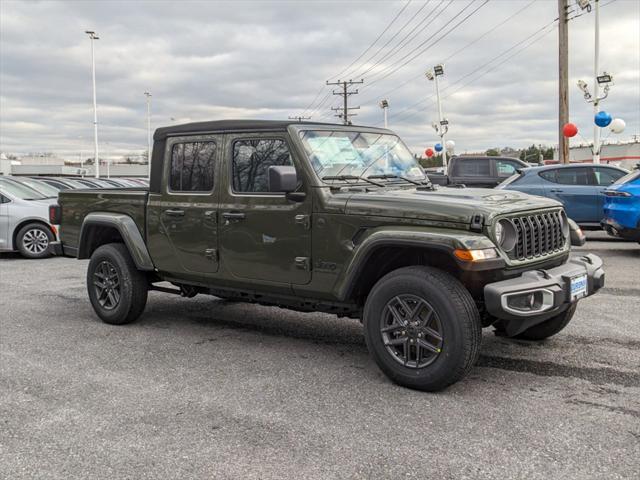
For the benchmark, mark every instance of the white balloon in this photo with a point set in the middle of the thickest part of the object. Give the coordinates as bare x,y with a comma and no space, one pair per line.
617,125
450,144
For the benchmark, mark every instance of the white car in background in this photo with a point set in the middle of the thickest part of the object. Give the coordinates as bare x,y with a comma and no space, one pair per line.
24,220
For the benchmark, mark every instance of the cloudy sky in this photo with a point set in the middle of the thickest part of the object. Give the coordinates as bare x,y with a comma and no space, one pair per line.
209,60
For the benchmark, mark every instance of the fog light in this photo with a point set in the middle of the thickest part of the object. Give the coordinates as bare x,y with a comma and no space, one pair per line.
528,303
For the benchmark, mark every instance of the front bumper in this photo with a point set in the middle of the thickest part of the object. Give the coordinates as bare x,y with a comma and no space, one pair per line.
615,229
538,295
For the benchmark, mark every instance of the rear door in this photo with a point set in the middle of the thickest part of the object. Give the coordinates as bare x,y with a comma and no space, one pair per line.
575,187
263,235
182,218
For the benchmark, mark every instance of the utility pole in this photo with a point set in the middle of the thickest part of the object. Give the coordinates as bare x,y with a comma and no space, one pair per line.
345,93
93,36
299,118
384,105
442,127
563,80
148,95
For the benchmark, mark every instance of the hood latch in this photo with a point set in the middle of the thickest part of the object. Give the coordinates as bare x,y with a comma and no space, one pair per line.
477,221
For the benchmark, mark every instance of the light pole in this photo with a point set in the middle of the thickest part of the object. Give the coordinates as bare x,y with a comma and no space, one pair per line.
93,36
442,127
148,95
384,105
598,79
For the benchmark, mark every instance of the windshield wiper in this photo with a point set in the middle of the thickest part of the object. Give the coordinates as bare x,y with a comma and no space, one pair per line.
385,176
352,177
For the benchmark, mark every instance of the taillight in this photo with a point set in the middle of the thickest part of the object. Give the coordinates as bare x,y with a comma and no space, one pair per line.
616,193
55,214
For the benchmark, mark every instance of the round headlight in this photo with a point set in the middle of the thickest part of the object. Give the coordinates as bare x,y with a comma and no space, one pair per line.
499,230
506,235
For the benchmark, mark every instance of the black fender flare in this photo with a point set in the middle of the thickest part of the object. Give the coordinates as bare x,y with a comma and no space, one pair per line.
128,230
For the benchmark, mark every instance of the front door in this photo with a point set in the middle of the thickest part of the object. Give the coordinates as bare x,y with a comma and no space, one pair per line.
264,236
183,218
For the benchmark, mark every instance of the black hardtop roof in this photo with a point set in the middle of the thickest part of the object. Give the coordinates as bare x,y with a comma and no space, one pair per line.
230,125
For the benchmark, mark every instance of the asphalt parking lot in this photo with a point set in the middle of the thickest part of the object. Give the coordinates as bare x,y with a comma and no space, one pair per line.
203,388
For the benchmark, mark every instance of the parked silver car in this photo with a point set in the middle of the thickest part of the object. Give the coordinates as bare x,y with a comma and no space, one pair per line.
24,220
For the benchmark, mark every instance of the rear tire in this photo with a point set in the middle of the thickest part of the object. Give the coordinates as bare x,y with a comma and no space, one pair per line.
117,289
428,350
33,240
549,327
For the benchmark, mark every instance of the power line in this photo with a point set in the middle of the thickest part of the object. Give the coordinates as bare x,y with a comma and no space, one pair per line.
550,28
375,41
460,22
391,39
473,42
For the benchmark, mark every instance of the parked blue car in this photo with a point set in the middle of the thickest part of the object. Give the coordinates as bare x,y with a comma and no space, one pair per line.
622,207
579,187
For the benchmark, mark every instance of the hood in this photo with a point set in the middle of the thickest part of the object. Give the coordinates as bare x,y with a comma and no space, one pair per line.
444,204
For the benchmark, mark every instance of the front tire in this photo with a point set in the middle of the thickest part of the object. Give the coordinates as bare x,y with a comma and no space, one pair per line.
422,328
117,289
549,327
33,240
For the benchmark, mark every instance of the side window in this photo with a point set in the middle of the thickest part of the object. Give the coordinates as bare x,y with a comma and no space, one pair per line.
574,176
192,167
476,167
3,199
606,176
506,168
251,161
549,175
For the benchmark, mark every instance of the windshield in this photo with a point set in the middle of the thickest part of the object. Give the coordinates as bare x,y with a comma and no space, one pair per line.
20,191
359,154
628,178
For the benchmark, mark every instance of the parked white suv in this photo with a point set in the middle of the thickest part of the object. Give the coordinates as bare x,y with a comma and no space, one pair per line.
24,220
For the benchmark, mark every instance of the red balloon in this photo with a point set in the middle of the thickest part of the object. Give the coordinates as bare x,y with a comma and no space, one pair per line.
429,152
569,130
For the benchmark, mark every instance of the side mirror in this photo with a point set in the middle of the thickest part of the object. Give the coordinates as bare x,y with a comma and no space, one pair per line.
282,179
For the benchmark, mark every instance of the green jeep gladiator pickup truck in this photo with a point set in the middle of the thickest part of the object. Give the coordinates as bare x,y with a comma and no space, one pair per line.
332,218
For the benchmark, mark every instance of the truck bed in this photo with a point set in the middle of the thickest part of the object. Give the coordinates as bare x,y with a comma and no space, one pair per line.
76,204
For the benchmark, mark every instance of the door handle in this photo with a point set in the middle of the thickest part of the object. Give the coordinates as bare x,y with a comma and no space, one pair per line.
174,213
233,216
556,190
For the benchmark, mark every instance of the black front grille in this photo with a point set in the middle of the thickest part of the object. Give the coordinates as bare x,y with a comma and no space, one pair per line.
537,235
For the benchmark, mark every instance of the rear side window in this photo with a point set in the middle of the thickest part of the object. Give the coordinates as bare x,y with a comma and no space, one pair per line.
607,176
251,161
506,168
473,167
569,176
192,166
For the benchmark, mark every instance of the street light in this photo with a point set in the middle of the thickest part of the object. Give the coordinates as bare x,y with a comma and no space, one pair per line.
604,79
384,105
93,36
148,95
442,127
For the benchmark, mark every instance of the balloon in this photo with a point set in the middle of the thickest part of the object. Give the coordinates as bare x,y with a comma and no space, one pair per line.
429,152
617,125
602,119
569,130
450,145
438,147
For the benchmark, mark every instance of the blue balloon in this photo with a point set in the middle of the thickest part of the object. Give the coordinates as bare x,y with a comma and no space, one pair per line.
438,146
602,119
